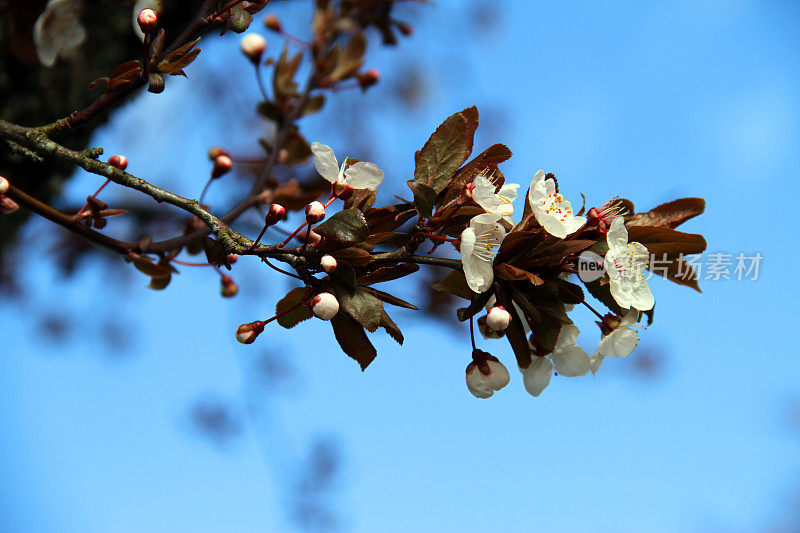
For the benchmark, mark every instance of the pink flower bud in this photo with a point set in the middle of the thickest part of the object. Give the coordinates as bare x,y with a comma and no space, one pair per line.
328,263
247,333
229,288
369,78
253,46
222,165
325,305
4,185
273,23
119,161
216,151
315,212
483,383
275,214
232,258
7,205
313,237
498,318
147,20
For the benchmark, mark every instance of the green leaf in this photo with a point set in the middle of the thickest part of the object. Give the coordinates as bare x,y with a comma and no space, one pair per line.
297,315
346,227
353,339
446,149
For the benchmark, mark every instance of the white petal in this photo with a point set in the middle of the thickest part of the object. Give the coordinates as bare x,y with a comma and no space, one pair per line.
551,224
570,360
509,191
484,194
617,236
479,274
499,377
537,191
363,175
325,162
478,384
618,343
595,362
642,297
467,243
537,376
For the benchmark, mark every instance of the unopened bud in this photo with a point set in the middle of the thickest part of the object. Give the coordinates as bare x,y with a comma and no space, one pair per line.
216,151
315,212
498,318
275,214
222,165
405,29
273,23
325,305
486,331
119,161
4,185
247,333
253,46
155,83
147,20
328,263
310,236
7,205
486,376
229,289
369,78
232,258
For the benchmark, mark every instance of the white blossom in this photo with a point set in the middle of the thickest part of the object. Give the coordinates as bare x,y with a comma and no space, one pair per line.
569,359
359,175
498,319
484,386
253,46
537,376
496,202
58,31
625,264
619,343
477,250
551,209
325,305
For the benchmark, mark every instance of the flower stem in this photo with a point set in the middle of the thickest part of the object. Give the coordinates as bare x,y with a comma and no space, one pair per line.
79,213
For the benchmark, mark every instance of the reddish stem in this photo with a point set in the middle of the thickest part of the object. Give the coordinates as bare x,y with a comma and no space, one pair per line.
79,213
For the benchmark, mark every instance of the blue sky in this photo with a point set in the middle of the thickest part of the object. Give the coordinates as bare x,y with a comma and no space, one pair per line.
653,101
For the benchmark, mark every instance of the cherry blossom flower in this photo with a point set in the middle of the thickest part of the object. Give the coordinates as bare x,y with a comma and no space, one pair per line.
359,175
625,264
568,359
537,376
477,250
500,202
619,343
58,31
484,385
551,209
